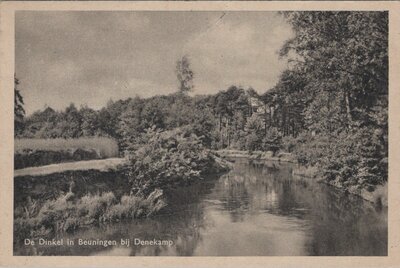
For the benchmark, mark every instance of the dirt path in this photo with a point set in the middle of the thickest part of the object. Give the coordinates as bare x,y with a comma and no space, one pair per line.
102,165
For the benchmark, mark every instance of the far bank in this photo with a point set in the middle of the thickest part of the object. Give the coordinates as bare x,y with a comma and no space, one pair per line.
377,194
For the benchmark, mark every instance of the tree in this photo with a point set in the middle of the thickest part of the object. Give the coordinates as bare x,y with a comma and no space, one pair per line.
343,56
342,60
72,121
184,74
90,123
284,105
130,125
255,133
19,111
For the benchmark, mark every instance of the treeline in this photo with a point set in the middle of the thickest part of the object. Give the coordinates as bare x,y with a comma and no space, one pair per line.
220,120
234,118
329,107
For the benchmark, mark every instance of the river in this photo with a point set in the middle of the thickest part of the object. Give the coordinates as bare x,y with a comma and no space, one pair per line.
256,209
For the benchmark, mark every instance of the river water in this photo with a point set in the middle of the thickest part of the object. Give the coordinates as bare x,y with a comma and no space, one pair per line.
257,209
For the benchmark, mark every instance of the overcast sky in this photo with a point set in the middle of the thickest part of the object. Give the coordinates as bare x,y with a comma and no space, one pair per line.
89,57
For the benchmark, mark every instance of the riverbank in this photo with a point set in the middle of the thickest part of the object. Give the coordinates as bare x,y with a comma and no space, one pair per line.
67,213
377,194
373,193
67,196
258,155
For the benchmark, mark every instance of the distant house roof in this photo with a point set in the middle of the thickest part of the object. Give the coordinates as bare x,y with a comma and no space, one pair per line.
258,105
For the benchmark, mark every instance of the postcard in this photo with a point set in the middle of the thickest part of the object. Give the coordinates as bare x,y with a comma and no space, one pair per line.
199,134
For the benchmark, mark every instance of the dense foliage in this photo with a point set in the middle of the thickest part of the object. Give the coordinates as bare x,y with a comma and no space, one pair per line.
341,59
168,158
329,108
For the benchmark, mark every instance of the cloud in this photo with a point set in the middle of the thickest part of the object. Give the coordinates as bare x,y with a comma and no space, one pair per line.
88,57
239,52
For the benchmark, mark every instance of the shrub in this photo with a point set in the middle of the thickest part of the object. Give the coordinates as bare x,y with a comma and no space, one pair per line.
354,157
95,205
166,158
253,142
272,140
288,143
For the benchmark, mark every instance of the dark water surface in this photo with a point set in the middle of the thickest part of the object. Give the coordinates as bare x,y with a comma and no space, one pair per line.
255,209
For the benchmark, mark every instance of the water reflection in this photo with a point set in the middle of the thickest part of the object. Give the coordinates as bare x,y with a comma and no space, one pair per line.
255,209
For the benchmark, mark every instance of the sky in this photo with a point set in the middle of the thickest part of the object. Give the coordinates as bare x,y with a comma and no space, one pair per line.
90,57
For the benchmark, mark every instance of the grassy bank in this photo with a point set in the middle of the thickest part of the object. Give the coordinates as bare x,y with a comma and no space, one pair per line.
39,152
67,213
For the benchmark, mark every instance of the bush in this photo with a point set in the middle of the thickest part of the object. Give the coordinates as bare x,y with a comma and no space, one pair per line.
288,143
272,140
354,157
168,157
253,142
95,205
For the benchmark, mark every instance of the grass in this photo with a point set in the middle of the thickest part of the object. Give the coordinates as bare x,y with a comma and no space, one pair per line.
107,147
66,213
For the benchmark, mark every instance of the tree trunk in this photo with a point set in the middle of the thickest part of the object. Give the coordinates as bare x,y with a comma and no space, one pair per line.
228,133
348,107
270,116
265,120
221,136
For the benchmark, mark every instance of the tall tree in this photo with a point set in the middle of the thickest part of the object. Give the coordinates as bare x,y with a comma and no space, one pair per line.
72,122
19,111
344,57
184,74
90,122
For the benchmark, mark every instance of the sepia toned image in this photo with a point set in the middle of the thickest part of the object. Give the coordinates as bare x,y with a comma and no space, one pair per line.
201,133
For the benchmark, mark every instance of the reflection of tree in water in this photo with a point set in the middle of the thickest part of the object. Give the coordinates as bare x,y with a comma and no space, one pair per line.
251,188
234,197
343,224
258,186
180,222
336,223
340,224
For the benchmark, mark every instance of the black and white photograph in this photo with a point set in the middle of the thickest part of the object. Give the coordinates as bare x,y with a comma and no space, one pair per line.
200,133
